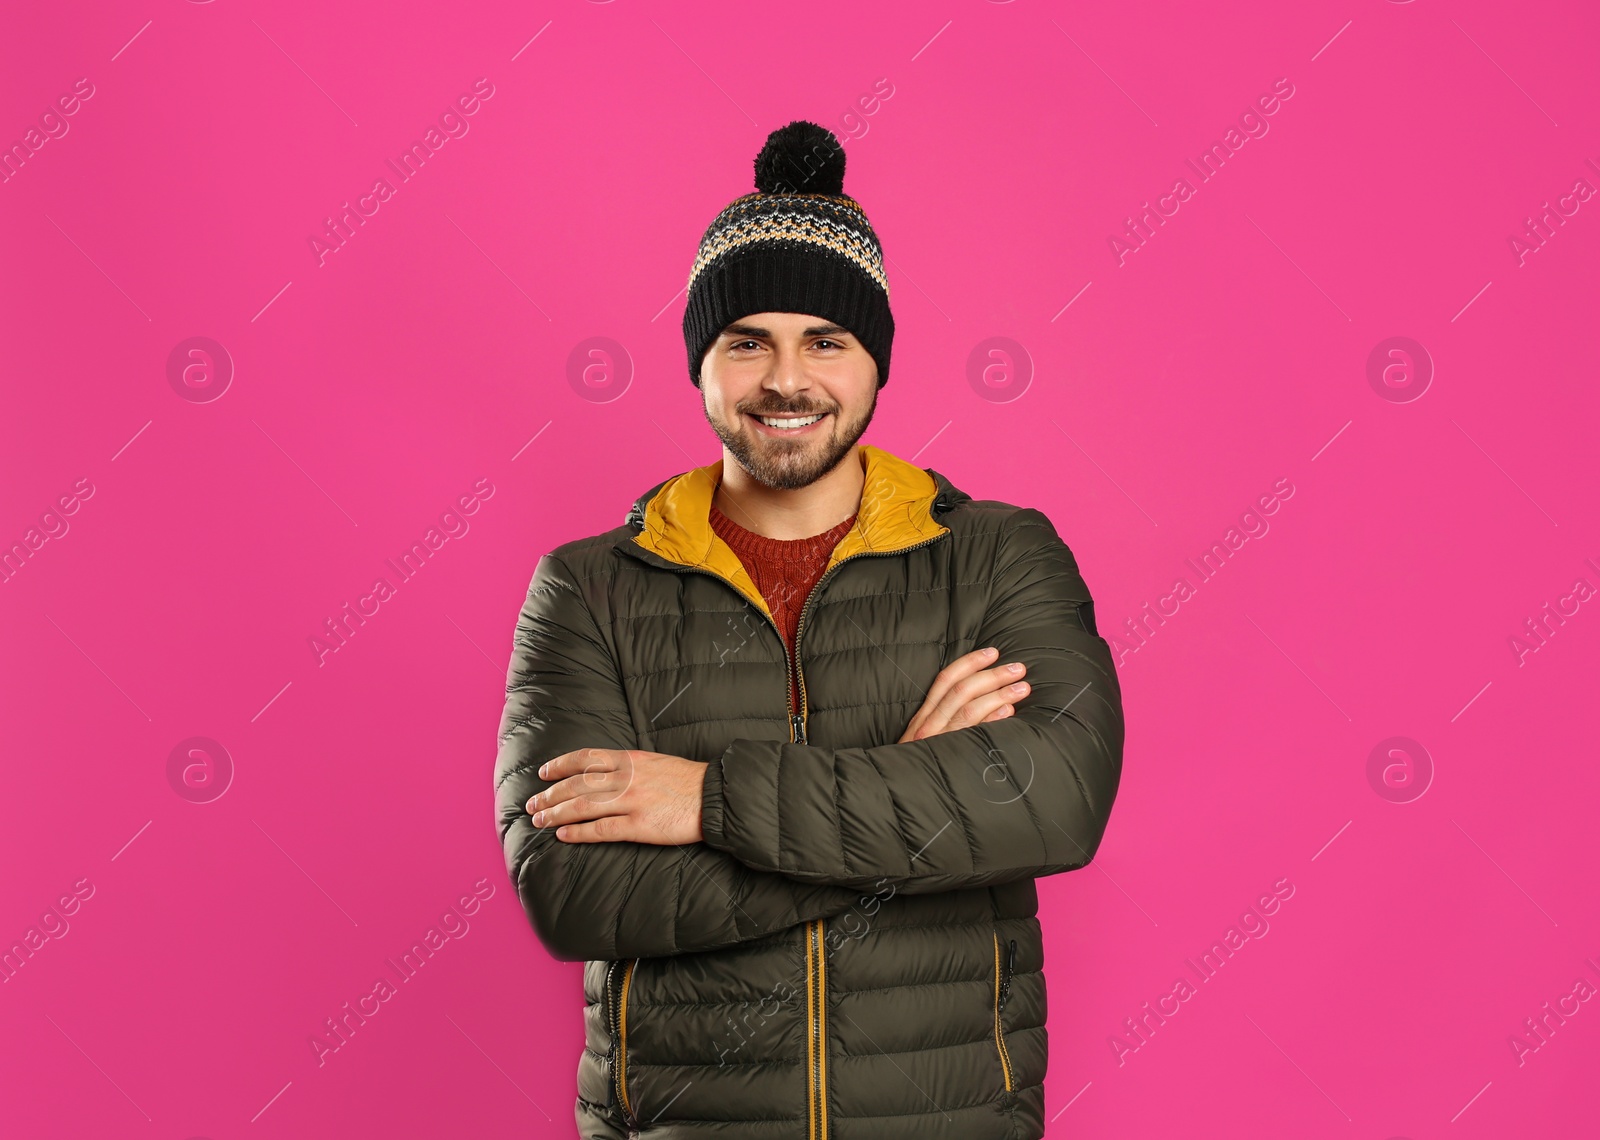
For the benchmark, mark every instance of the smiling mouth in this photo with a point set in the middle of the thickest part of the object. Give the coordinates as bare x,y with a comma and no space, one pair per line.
788,425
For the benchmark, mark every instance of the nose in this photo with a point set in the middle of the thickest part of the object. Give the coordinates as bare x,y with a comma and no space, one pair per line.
788,377
788,386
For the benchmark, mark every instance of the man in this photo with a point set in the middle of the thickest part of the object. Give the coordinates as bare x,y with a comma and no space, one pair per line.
762,764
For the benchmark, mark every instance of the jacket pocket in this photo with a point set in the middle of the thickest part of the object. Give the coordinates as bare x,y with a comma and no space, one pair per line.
1002,994
619,978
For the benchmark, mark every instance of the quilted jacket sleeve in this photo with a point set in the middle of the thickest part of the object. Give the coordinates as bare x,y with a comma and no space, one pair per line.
1026,796
603,901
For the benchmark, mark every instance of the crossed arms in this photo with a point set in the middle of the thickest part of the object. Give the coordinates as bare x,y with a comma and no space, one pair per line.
1024,796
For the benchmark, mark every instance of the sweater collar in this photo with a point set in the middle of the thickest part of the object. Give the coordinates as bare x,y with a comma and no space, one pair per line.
748,544
896,512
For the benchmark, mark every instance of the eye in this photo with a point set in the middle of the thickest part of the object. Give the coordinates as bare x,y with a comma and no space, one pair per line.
742,343
834,343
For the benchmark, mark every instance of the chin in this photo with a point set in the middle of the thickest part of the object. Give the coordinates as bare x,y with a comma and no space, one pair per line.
787,467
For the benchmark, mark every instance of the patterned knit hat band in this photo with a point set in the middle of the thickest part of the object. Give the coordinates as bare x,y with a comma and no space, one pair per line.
779,250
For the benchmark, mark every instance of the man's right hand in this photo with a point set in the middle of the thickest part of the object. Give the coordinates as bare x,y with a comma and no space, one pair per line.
966,693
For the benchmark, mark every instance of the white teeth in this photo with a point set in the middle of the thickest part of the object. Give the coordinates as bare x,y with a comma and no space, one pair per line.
777,423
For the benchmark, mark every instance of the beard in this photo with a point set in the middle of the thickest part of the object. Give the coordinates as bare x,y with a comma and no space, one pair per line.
788,464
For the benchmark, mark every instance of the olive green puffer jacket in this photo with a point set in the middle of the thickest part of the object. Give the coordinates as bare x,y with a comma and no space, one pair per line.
853,951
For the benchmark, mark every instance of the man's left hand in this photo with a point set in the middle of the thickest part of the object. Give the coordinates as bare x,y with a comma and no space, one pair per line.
606,795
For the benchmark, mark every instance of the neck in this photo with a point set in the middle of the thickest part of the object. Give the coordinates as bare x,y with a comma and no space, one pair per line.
801,513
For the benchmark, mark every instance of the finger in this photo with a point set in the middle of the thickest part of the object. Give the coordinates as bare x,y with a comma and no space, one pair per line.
1001,678
575,810
962,668
578,760
610,829
989,687
993,706
580,783
602,784
992,680
972,662
977,710
564,765
959,669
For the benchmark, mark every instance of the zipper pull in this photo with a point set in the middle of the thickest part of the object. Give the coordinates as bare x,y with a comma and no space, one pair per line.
798,725
1005,981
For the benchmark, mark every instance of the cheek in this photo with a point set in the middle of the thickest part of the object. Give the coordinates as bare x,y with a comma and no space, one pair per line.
724,408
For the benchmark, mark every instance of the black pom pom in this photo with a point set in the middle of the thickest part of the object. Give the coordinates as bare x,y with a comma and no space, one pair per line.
801,158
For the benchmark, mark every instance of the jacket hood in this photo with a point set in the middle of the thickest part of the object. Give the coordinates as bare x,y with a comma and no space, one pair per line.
900,505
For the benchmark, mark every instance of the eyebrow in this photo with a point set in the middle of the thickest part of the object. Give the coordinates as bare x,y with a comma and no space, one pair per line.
742,330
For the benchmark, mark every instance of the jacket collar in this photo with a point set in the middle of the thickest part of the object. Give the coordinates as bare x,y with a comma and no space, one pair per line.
898,500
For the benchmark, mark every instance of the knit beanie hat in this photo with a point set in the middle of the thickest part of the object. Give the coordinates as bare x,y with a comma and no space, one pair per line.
799,244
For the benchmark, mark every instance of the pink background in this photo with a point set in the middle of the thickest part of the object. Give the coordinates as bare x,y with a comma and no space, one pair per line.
1145,406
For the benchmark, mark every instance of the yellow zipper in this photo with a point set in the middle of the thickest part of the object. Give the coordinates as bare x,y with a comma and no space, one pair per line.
620,1066
817,1031
999,1031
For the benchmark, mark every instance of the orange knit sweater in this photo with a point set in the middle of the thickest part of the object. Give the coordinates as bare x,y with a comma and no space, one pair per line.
784,570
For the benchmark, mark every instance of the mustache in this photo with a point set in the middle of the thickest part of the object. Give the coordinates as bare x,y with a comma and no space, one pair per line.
787,413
